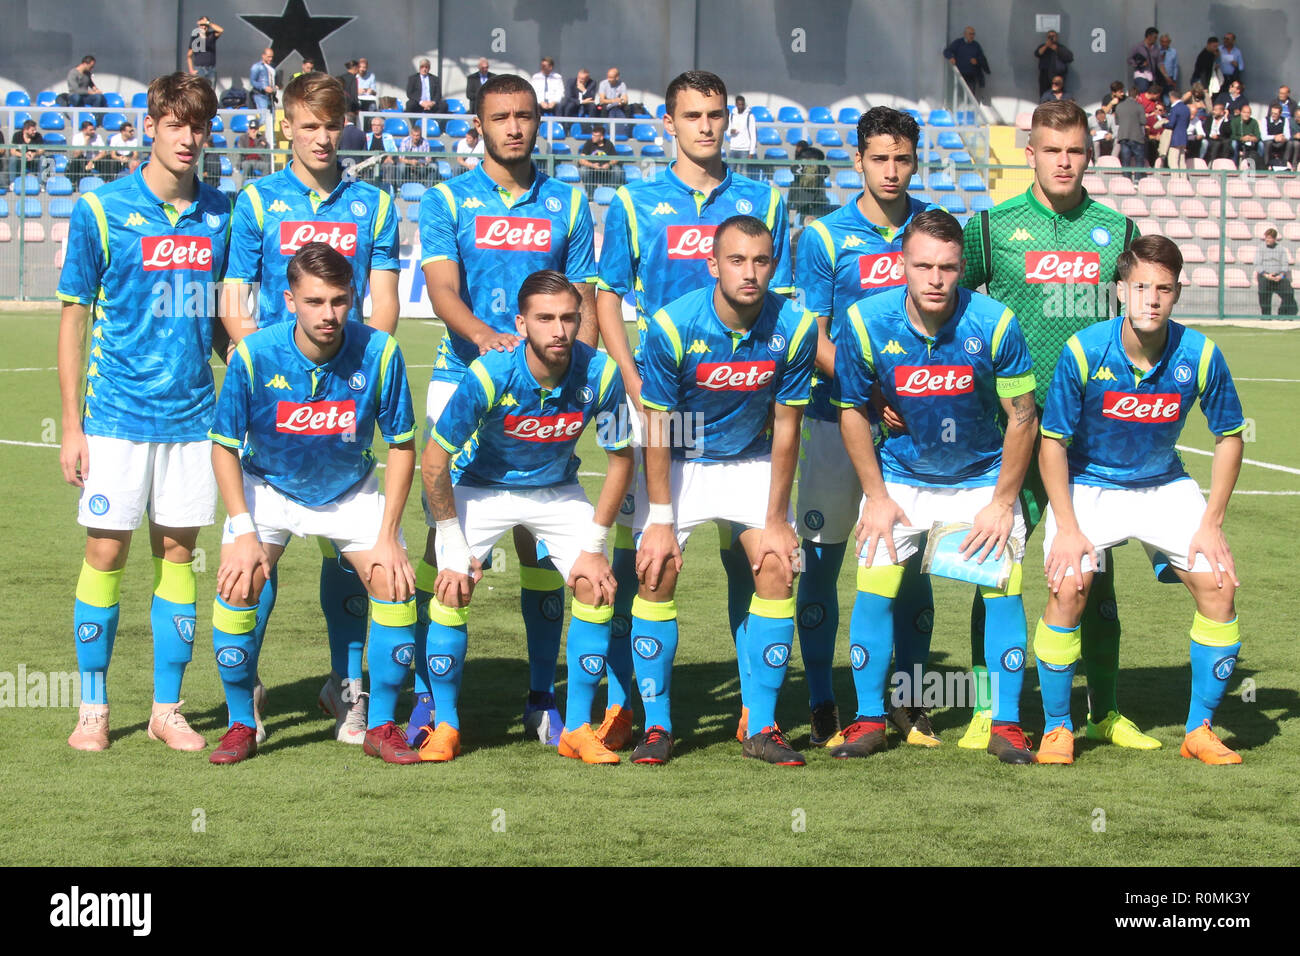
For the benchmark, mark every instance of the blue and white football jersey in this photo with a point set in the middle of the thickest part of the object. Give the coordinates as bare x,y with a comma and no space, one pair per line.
498,243
149,275
503,428
1122,424
306,429
948,388
720,382
277,215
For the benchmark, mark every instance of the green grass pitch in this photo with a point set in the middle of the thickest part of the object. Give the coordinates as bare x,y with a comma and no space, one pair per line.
307,799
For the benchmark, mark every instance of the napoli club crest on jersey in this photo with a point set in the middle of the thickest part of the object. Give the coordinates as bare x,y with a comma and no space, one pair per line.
1101,236
776,343
213,220
744,207
973,345
585,395
554,205
358,208
357,382
1183,373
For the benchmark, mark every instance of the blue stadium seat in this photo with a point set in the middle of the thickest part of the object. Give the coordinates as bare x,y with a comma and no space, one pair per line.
849,116
561,149
915,114
981,202
652,149
21,117
776,152
568,173
27,185
660,111
848,179
60,161
56,139
965,117
631,172
553,131
829,137
431,129
61,208
924,198
217,125
4,208
396,126
226,168
87,118
59,186
940,118
769,136
950,140
457,128
954,204
789,114
933,157
227,185
455,106
941,183
761,114
838,155
603,196
435,146
411,192
576,132
644,132
412,209
961,156
52,120
916,185
30,209
793,135
444,169
971,183
140,101
113,121
623,149
88,183
17,98
239,123
218,141
47,98
820,114
783,177
113,100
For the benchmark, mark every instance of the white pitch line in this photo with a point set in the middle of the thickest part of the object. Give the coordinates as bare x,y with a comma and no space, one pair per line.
49,368
1288,381
1244,461
28,444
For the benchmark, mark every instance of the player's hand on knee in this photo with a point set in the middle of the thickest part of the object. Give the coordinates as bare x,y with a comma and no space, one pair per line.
395,580
779,540
879,515
74,459
1066,557
237,578
658,549
989,532
454,589
1211,542
595,570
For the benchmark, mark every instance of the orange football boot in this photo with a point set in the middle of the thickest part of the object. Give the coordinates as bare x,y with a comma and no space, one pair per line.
583,744
1204,745
1057,746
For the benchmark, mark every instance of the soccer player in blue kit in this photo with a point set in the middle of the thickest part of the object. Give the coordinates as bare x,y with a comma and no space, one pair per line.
658,238
735,361
949,360
312,200
291,453
135,434
522,413
1119,400
481,235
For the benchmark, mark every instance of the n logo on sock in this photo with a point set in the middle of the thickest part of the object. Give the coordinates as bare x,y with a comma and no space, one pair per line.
647,648
403,654
593,664
1013,660
1224,667
184,627
231,656
440,665
776,655
88,632
858,657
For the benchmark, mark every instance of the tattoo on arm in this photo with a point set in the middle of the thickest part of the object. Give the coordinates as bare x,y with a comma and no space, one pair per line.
442,503
1023,406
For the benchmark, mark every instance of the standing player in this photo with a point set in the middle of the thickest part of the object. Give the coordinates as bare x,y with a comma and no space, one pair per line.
949,360
311,200
658,240
1050,255
853,252
135,438
524,412
1112,473
295,459
730,359
481,235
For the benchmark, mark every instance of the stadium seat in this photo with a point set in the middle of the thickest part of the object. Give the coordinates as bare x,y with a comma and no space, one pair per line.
1212,254
140,101
1291,231
1196,164
981,202
603,196
924,198
849,116
59,230
88,183
954,204
1204,277
5,234
915,114
60,162
1245,254
217,125
971,183
113,100
644,132
1266,189
457,128
1173,229
52,120
113,121
564,149
1094,184
1180,189
85,117
27,185
788,114
28,209
820,115
829,137
17,98
1192,253
1225,164
1025,120
652,149
848,179
47,98
940,118
395,126
568,173
1105,162
59,186
769,136
1122,186
444,169
940,182
1163,208
949,140
227,185
783,178
1239,189
933,158
576,132
1208,188
838,155
1236,279
776,152
56,139
20,117
1281,211
61,208
411,192
622,149
1238,231
33,231
431,129
218,141
1193,209
1291,189
553,131
412,211
631,172
962,158
1110,202
1134,207
1151,186
1230,212
4,209
1207,229
227,169
761,114
239,123
456,107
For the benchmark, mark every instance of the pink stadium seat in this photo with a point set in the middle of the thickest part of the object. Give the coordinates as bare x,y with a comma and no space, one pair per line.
1238,231
1227,164
1121,186
1252,209
1150,227
1181,188
1261,227
1096,185
1024,121
1245,254
1281,210
1205,277
1291,231
1165,208
1192,253
1291,189
1134,208
58,258
1207,229
1176,228
1267,189
59,232
1112,162
1110,202
1212,254
1236,279
1193,209
5,234
1196,163
1151,186
1239,189
1214,210
33,231
1183,279
1208,188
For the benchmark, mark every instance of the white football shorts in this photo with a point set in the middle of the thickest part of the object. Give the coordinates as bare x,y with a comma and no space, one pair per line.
924,506
171,481
351,523
830,494
703,491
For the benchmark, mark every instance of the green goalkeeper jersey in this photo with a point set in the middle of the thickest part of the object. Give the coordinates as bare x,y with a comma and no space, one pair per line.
1056,271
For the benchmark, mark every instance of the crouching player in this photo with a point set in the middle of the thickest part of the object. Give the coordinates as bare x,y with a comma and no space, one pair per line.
948,359
1119,398
292,455
518,416
718,359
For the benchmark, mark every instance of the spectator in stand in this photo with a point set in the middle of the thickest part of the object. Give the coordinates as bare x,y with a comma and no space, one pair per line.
1103,135
742,132
1218,135
1130,131
1168,64
1231,61
367,86
611,99
1233,98
36,161
424,91
82,90
1277,138
420,168
549,87
1273,276
1054,59
967,56
469,151
308,66
1144,60
201,55
596,162
380,142
86,159
1246,138
1056,91
1196,126
4,166
254,163
351,91
123,156
261,82
1116,95
351,141
580,97
808,193
1157,132
1180,118
1206,69
475,82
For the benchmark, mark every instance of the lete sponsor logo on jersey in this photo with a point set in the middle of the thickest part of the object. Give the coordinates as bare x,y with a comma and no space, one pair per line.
512,233
734,376
316,418
1149,409
690,242
881,270
176,252
929,380
1063,267
544,427
342,236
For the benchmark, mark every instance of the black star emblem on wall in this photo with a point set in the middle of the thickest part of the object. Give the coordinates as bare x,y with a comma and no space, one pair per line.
296,30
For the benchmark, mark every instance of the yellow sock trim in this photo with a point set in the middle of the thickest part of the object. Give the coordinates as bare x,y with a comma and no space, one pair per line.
654,610
593,615
157,573
1215,633
1060,650
881,579
778,609
233,620
540,579
426,576
99,588
176,582
327,549
623,537
439,613
1012,588
393,615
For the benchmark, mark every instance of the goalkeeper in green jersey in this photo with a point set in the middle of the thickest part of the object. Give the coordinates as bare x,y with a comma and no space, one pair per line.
1050,255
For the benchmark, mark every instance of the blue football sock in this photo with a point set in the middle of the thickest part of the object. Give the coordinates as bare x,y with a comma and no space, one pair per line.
620,671
1004,646
236,650
1057,650
913,624
266,604
94,624
344,600
392,647
740,590
172,616
541,599
870,634
654,645
445,660
1214,648
769,632
588,647
818,613
426,577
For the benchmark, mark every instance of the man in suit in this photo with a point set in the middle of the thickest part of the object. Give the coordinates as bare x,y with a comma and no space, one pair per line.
475,82
351,90
580,95
424,91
